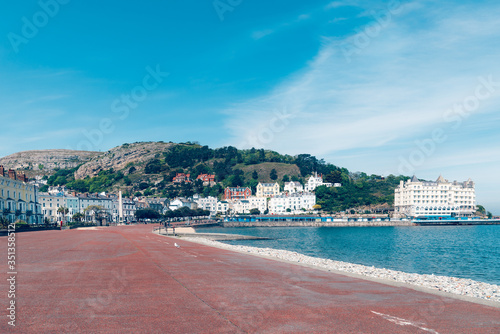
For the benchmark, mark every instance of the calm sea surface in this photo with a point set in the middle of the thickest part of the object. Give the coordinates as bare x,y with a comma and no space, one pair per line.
465,251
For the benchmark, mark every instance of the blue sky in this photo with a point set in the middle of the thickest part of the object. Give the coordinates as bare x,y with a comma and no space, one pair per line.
381,87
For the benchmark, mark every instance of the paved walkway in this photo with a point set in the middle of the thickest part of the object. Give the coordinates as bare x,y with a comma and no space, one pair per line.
128,280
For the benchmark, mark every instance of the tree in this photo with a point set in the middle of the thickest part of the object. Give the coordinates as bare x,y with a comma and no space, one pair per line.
307,164
236,181
153,167
64,211
187,212
286,178
143,185
81,186
201,169
147,214
127,181
254,211
255,175
77,217
334,177
4,222
97,212
490,215
273,175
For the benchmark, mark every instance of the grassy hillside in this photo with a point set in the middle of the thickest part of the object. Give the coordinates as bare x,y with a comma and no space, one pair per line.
264,170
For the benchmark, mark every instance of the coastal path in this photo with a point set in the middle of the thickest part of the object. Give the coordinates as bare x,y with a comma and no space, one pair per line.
125,279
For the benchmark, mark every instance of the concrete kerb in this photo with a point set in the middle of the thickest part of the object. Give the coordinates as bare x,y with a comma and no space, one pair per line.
353,275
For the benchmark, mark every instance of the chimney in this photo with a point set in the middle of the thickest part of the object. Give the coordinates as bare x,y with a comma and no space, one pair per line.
21,176
12,174
2,171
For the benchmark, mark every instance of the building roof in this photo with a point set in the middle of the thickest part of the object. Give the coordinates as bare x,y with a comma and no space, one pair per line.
293,183
441,179
414,179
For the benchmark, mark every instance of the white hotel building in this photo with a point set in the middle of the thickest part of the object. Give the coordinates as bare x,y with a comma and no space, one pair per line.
441,198
292,203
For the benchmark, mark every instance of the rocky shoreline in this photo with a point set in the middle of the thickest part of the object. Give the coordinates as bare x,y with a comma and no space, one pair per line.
458,286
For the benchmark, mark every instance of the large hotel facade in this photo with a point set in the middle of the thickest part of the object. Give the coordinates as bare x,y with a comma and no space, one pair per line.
441,198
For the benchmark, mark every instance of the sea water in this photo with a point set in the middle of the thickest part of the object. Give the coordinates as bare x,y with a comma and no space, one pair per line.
459,251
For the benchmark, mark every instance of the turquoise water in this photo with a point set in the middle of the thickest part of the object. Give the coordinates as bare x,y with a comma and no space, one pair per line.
459,251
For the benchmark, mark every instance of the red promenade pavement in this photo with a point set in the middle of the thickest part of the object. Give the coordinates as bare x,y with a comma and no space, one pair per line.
128,280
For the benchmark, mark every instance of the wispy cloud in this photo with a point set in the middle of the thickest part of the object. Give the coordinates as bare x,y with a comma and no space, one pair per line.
262,33
47,98
335,4
367,112
258,34
44,136
396,88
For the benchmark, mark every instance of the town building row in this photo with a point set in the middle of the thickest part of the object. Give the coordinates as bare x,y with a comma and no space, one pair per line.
20,200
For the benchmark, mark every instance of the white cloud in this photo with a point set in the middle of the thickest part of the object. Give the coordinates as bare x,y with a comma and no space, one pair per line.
335,4
262,33
397,86
376,97
47,98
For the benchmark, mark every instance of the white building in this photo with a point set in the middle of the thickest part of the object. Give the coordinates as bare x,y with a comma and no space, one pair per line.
129,210
292,203
293,187
182,202
315,181
441,198
223,207
267,189
207,203
109,204
51,202
241,206
258,203
58,197
246,205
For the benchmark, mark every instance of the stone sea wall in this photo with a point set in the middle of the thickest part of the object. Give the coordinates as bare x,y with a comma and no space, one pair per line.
316,224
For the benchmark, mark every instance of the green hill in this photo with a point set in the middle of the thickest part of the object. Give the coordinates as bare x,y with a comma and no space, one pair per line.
148,169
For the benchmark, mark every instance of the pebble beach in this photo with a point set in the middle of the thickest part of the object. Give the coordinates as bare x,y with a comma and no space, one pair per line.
459,286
